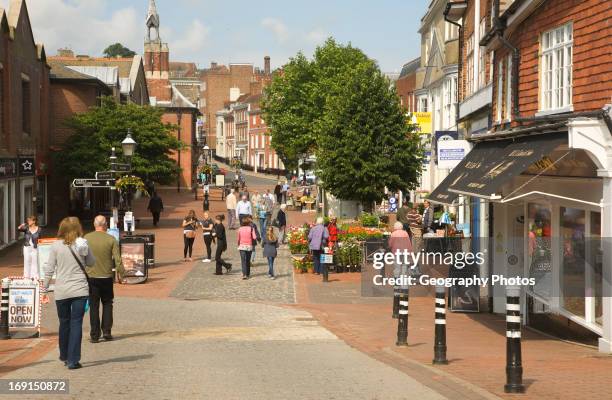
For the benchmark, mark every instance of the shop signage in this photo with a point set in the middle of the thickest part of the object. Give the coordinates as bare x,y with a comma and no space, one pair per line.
104,175
451,152
8,168
423,121
92,183
27,166
117,167
24,303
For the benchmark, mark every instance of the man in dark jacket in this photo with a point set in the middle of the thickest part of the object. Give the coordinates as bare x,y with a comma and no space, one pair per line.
427,217
156,206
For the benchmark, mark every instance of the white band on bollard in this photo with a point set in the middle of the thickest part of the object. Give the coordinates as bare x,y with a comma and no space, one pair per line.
513,334
403,312
513,307
513,318
440,301
440,321
403,303
441,310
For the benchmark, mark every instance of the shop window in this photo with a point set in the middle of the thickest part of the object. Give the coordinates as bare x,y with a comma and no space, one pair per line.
595,263
572,237
556,73
26,112
539,252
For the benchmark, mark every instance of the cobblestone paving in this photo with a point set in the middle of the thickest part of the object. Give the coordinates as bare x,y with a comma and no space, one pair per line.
200,283
170,349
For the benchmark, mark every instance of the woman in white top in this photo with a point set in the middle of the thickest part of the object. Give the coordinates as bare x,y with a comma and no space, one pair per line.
32,233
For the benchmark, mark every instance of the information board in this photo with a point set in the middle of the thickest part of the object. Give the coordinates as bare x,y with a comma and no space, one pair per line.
24,303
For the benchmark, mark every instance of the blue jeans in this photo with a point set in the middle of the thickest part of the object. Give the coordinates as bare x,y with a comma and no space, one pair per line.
316,259
245,262
70,313
262,226
253,254
271,266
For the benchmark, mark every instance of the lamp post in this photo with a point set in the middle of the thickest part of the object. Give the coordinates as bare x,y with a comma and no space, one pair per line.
128,146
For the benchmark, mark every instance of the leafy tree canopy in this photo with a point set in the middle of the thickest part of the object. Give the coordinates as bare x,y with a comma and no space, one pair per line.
118,50
101,128
340,107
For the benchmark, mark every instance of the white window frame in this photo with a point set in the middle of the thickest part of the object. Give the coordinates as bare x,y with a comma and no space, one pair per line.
509,88
500,89
482,57
469,87
556,55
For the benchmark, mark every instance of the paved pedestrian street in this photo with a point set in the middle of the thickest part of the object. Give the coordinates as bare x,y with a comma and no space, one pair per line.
171,348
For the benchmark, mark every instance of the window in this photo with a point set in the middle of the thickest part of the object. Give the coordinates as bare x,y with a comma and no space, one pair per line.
556,64
509,88
500,89
451,32
1,111
482,57
469,66
422,105
25,107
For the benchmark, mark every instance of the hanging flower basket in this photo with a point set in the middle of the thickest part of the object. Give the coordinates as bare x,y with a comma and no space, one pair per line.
205,169
131,184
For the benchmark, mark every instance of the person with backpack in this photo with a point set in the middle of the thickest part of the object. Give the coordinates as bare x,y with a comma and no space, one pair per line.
246,237
270,246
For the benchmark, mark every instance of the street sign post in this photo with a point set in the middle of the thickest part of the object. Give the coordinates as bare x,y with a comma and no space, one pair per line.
105,175
93,183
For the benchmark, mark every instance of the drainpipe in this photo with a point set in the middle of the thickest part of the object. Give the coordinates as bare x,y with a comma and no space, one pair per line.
459,66
499,27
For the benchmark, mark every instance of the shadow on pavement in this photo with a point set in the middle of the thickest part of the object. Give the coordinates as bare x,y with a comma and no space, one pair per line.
118,360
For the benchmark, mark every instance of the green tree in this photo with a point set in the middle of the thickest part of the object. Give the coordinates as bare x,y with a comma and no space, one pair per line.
366,142
118,50
96,131
340,107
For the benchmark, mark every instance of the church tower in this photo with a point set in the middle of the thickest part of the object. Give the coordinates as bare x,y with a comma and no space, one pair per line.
156,53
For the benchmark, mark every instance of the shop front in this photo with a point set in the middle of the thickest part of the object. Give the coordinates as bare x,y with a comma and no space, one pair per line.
8,201
551,197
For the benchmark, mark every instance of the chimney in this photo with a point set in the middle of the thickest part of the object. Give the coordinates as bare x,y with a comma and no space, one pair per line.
65,52
213,64
267,65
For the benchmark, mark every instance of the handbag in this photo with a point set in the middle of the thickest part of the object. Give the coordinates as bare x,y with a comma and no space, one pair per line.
190,234
78,260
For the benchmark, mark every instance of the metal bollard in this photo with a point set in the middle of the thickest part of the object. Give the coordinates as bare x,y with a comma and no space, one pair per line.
514,367
4,311
396,300
402,321
440,327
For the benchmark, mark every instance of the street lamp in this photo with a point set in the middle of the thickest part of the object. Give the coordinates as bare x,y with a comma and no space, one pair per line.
128,145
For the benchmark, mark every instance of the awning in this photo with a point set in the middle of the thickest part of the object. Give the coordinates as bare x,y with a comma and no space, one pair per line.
492,163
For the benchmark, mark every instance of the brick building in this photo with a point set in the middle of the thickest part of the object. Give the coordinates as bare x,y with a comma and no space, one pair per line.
24,122
406,85
541,165
179,101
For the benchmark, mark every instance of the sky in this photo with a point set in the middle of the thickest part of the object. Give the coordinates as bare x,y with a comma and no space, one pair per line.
236,31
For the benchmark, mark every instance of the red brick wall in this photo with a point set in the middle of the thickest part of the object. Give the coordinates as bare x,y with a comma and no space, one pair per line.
68,99
592,52
405,89
187,123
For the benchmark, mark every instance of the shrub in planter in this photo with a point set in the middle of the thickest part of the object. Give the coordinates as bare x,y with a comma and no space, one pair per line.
369,220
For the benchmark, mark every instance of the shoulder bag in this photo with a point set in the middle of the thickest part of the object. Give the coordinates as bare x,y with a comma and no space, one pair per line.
78,260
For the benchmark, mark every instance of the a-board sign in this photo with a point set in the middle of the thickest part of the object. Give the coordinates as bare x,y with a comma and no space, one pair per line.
24,303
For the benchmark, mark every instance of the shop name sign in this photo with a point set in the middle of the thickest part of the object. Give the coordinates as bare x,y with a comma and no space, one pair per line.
451,152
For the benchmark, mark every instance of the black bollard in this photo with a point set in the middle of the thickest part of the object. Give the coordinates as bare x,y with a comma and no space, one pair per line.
514,367
396,299
402,321
325,268
440,327
4,311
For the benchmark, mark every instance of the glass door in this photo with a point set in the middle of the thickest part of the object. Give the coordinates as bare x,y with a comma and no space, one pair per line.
593,276
573,252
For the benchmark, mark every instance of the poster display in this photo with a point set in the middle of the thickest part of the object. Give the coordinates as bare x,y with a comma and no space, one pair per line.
133,258
24,303
44,249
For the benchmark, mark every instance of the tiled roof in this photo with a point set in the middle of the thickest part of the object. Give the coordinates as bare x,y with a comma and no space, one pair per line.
191,92
58,71
410,67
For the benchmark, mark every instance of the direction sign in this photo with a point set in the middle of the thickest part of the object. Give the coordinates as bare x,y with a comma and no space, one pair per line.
117,167
93,183
105,175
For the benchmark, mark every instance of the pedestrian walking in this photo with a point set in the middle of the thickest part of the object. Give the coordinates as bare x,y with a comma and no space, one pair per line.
190,226
206,202
414,219
256,241
67,259
427,220
230,204
261,214
284,191
155,207
281,223
221,239
402,216
270,246
246,236
278,192
317,238
105,249
32,232
243,209
207,225
268,206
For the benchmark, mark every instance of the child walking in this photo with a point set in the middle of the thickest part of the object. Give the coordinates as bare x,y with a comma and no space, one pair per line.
270,245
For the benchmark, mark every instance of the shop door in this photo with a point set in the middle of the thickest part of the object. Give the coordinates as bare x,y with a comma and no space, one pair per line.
539,262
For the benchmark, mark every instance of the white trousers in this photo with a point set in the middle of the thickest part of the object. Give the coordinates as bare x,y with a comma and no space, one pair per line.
30,262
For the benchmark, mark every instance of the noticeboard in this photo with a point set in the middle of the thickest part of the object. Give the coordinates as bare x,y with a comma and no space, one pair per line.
220,180
24,303
44,249
464,298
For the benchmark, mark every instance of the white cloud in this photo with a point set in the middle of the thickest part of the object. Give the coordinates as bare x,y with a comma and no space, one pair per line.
80,26
277,27
189,44
317,36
